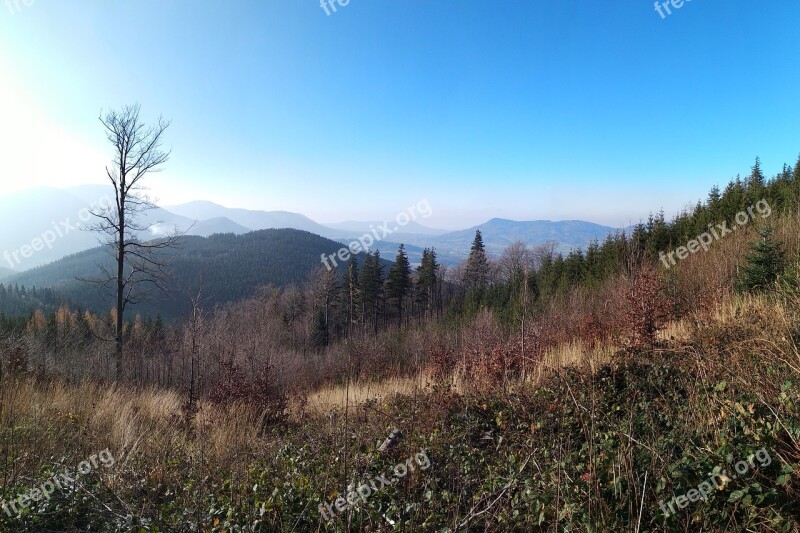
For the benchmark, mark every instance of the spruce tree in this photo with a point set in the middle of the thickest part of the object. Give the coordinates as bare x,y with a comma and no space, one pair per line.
352,292
796,174
427,281
399,281
477,271
319,331
371,283
756,183
764,263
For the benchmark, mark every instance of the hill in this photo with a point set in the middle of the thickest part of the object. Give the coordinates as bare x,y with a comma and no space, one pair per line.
229,267
251,219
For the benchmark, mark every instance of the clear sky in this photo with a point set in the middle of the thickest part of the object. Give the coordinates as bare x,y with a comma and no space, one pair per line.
568,109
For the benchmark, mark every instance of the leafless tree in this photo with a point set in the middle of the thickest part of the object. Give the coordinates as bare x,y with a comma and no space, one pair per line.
542,252
516,259
140,273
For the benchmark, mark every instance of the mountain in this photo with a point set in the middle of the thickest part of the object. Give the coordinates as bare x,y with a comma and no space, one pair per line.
229,267
453,247
6,272
254,220
57,220
41,225
355,227
162,221
498,233
54,219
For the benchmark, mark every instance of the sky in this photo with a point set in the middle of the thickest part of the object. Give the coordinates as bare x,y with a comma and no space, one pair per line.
528,110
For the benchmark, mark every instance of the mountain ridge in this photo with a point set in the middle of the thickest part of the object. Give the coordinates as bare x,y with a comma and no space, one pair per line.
46,207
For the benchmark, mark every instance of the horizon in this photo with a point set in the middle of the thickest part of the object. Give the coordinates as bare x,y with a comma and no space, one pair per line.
343,116
422,222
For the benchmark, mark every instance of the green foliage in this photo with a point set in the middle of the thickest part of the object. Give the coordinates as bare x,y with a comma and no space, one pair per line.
398,282
765,263
476,276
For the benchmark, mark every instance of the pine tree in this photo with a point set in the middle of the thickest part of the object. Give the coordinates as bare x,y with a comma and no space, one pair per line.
399,281
764,263
756,183
796,174
319,331
477,270
371,284
713,196
352,292
427,281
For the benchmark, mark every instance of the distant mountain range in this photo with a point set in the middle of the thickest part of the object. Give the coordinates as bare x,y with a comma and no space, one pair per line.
53,219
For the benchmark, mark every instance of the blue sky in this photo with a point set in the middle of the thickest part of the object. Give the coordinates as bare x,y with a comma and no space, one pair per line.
600,111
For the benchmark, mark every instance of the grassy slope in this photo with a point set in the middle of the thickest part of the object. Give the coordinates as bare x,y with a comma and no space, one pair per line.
571,453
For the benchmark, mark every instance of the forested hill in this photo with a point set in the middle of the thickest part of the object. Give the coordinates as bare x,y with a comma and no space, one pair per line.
230,267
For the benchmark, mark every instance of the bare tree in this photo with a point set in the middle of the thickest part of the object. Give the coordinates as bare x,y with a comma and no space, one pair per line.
545,251
139,273
516,259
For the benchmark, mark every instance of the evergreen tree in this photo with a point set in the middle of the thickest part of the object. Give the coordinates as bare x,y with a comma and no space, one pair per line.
796,174
756,183
371,284
427,281
764,263
352,292
477,269
399,281
319,331
713,197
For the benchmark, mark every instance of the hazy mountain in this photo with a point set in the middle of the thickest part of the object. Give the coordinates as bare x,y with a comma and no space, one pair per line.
204,228
54,217
388,250
41,225
254,220
56,222
6,272
498,233
360,228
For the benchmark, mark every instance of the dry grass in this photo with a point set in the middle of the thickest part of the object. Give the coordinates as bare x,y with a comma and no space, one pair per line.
327,399
679,330
573,354
57,421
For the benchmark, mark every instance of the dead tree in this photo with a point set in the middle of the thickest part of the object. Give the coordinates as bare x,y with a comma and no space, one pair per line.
139,272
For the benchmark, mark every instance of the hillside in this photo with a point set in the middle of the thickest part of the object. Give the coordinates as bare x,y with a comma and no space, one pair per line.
229,267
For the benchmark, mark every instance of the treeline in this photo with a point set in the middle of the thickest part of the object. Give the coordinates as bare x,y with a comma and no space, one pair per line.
18,301
525,279
301,327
